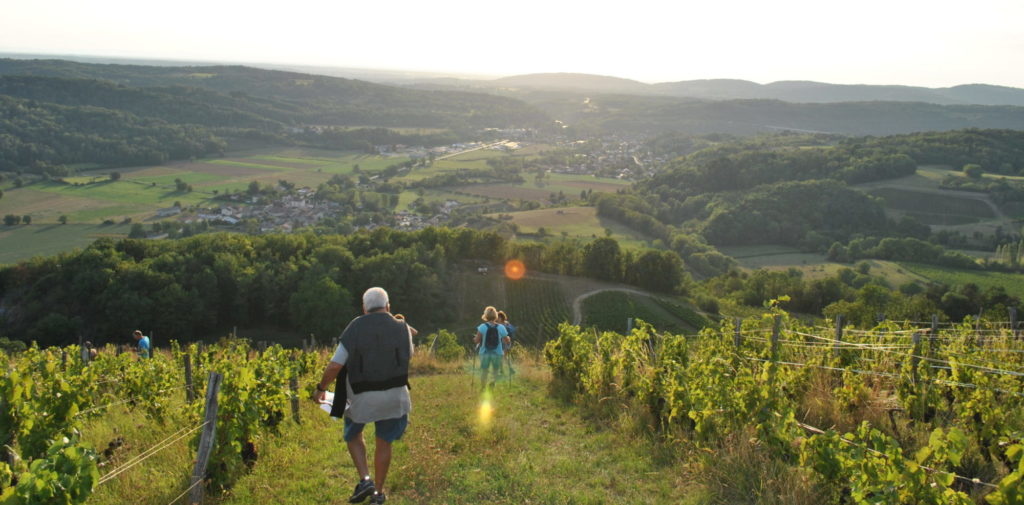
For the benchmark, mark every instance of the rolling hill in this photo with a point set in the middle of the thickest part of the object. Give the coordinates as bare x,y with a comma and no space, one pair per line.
738,89
328,100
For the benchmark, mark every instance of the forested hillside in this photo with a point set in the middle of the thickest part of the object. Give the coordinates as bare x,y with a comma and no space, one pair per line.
635,114
793,189
42,137
325,100
300,283
59,113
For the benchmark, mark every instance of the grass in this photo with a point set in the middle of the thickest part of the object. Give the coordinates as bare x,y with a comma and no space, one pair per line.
534,449
610,310
813,265
575,222
569,184
1012,283
189,177
25,241
155,481
123,192
47,206
928,203
246,164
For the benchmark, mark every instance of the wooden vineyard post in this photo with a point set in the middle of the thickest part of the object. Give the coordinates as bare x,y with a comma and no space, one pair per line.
839,333
294,383
190,393
63,360
915,357
775,336
737,337
1013,321
207,439
977,329
629,325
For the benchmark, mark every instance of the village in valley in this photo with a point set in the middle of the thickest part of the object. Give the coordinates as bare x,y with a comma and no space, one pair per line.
290,208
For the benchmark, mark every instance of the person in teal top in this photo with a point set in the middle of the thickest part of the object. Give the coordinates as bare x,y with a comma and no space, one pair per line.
492,339
143,343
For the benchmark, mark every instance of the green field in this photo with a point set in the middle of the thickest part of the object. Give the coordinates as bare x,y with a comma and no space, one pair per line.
569,184
536,307
813,265
1012,283
575,222
475,160
125,192
933,207
25,241
610,310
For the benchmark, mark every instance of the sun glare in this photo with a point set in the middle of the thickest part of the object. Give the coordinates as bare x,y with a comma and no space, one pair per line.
515,269
486,410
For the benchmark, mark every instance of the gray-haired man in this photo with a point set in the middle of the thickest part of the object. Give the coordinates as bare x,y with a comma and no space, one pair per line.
374,351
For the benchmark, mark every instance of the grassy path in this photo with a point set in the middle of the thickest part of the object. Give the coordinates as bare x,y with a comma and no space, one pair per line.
534,448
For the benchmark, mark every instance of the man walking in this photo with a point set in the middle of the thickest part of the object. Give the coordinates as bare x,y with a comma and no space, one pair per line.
374,352
142,343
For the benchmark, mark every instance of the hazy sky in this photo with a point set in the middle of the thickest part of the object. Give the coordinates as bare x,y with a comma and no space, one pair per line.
927,43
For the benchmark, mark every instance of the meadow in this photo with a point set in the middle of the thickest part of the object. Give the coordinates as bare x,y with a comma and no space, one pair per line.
1012,283
815,266
574,222
25,241
935,208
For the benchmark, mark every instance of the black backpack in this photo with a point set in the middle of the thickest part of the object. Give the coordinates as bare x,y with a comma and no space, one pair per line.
492,338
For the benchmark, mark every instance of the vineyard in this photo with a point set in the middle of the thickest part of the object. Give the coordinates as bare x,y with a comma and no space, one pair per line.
536,307
901,413
55,402
609,310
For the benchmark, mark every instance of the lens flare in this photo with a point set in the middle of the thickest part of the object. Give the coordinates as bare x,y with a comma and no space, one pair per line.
486,410
515,269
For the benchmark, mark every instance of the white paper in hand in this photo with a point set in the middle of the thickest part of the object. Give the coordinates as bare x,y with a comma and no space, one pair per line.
328,402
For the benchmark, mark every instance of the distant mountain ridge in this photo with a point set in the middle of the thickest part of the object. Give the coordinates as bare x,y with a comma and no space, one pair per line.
738,89
328,100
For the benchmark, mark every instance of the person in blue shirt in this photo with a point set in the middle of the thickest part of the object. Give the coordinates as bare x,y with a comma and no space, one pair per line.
503,320
492,338
143,344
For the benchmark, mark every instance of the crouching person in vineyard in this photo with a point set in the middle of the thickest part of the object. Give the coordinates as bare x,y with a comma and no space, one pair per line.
371,369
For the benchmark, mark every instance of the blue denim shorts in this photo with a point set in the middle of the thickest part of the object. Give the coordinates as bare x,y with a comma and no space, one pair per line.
388,430
490,360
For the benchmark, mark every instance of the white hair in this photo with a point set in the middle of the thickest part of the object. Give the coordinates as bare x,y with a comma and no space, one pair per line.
375,298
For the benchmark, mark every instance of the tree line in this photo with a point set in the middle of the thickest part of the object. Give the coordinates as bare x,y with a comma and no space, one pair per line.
860,297
303,283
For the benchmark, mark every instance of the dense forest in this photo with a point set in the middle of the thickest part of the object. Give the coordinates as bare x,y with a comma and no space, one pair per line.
320,100
57,113
302,283
793,189
652,115
61,122
43,137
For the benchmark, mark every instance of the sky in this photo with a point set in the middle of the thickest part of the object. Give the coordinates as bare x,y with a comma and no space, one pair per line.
934,43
